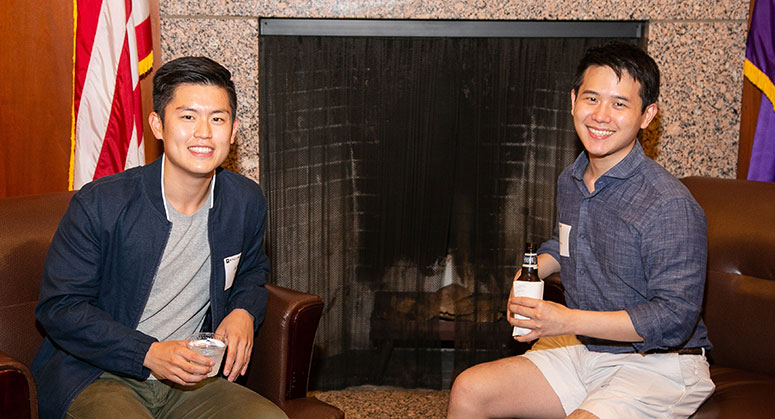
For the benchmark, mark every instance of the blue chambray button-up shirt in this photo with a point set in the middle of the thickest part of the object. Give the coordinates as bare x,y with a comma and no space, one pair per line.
637,243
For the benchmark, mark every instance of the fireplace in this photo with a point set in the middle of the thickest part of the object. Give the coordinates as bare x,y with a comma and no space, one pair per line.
405,164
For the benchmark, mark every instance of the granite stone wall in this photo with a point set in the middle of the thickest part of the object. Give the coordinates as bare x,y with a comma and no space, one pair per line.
699,45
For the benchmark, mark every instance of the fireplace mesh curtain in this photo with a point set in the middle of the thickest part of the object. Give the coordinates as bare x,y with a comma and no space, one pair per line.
404,176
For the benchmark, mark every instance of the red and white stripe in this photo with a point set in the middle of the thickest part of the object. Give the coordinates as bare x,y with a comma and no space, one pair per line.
112,49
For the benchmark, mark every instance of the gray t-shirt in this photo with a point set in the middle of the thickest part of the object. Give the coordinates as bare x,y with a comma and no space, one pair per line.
180,295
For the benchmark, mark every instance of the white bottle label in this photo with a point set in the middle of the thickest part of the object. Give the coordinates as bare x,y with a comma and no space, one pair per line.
526,289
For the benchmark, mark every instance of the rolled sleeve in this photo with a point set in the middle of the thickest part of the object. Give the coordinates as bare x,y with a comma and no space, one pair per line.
674,252
551,247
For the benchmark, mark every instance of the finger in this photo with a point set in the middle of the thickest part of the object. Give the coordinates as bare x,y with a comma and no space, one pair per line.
231,355
522,310
192,372
195,368
187,379
248,352
239,361
189,358
186,373
524,301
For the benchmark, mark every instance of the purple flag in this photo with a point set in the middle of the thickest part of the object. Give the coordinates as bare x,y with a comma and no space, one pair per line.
760,69
762,165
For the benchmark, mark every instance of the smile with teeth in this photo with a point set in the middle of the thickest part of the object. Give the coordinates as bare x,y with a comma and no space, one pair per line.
200,149
600,132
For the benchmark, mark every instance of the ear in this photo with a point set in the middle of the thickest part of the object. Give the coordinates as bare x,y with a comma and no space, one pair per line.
572,101
648,115
156,125
234,129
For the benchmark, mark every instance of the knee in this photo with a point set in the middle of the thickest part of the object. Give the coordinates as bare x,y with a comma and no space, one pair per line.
464,397
463,384
261,408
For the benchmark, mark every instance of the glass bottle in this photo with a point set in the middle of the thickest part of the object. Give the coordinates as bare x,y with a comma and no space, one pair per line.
528,284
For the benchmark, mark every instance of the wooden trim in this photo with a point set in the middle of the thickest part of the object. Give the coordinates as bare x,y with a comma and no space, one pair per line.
36,96
153,147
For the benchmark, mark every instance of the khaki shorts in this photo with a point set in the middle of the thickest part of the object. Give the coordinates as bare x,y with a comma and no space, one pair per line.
622,385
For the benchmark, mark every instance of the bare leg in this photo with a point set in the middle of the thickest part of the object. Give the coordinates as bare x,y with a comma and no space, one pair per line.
509,387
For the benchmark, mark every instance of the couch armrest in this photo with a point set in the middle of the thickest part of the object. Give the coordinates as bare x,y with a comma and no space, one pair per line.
282,353
19,397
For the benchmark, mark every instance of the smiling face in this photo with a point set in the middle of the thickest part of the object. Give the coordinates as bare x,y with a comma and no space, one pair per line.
607,115
198,131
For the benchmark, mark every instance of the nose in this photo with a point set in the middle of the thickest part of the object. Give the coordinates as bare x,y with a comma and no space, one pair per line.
203,129
601,114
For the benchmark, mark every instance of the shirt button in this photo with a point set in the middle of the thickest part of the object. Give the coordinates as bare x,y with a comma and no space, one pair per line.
583,236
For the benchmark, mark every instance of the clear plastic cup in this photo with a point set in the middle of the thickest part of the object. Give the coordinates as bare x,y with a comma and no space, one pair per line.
210,345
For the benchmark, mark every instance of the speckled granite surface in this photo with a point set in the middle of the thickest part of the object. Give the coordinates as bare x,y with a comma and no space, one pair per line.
699,45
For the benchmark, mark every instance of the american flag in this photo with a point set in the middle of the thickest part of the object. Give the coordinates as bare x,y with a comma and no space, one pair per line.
113,50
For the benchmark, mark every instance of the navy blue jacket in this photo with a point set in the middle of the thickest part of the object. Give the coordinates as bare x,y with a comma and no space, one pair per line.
100,268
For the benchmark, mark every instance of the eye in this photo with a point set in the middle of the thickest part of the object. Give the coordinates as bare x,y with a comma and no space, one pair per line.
187,117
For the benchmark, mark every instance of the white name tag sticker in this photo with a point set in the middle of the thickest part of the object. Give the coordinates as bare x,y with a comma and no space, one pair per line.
564,240
230,264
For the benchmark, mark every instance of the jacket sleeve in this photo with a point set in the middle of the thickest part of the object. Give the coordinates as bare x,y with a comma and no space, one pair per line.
248,290
70,289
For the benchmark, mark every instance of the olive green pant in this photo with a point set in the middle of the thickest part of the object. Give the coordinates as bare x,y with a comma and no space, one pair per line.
111,396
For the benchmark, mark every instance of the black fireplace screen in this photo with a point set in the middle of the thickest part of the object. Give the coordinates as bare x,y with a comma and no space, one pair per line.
404,176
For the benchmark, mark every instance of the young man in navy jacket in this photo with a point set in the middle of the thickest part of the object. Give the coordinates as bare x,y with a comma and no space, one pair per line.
146,257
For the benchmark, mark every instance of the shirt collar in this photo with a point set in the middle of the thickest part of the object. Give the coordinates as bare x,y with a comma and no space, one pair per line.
622,170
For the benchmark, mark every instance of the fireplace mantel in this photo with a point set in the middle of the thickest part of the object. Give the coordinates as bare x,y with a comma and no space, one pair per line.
699,44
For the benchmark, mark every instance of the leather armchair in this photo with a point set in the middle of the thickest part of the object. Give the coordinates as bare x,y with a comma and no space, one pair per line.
739,303
279,369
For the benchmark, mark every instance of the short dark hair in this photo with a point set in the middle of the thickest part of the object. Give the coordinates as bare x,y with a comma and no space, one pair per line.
621,56
190,70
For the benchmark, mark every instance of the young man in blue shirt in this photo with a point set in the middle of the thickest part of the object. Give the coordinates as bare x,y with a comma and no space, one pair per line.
631,249
146,257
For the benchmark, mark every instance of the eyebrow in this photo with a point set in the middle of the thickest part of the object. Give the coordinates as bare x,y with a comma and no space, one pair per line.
191,109
621,98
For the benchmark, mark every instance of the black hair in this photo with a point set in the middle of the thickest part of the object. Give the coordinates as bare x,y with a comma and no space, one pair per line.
621,56
190,70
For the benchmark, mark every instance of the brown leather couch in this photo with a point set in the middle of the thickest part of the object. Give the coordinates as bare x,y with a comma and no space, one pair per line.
279,369
739,304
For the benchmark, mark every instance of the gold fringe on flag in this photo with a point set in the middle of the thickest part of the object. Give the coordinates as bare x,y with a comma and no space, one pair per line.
145,65
71,172
760,80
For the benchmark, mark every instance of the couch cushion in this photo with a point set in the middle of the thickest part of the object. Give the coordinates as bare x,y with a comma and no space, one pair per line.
741,221
740,314
27,225
739,394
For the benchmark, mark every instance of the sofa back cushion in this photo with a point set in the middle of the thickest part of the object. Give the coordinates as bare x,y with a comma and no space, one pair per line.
27,225
741,224
739,306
